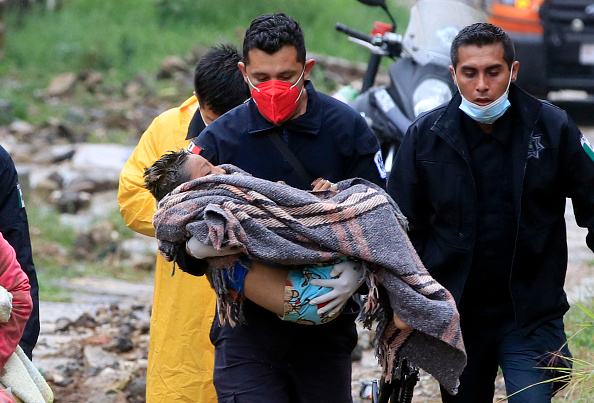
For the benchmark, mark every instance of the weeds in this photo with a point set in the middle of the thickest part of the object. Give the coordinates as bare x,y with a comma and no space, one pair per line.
59,251
124,38
578,380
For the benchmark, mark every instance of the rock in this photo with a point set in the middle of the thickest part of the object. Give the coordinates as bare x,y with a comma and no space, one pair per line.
76,115
70,201
55,154
85,320
170,65
102,156
62,324
92,81
123,345
60,380
6,112
22,128
137,389
96,357
62,84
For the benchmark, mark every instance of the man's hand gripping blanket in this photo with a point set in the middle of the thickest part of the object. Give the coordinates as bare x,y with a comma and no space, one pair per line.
276,223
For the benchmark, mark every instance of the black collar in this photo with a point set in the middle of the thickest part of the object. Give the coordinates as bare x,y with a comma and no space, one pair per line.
196,125
501,130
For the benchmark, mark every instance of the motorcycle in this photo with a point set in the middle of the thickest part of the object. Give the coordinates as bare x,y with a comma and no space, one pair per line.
420,78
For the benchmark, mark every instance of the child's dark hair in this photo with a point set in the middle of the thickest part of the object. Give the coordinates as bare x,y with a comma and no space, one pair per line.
218,82
167,173
271,32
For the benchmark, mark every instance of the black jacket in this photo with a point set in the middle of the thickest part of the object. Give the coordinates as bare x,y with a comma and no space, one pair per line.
15,228
432,183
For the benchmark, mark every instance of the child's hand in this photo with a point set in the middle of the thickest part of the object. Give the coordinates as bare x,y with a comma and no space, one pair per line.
323,184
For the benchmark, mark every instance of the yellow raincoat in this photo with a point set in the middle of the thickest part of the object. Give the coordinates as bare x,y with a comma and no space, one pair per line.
181,357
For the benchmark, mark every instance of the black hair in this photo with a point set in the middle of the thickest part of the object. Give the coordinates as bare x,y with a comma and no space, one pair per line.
271,32
167,173
479,34
218,82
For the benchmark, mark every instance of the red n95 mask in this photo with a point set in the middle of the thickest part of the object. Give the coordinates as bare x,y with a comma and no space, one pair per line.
276,100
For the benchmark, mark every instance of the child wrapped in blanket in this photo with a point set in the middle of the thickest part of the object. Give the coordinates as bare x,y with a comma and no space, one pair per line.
275,224
306,295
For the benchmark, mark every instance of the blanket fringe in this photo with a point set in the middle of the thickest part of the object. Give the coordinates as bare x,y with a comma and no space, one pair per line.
229,302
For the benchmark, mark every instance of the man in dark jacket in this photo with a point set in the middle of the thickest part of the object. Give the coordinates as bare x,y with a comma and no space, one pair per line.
483,181
15,227
287,132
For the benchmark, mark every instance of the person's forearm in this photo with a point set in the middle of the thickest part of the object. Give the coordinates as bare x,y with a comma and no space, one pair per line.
265,286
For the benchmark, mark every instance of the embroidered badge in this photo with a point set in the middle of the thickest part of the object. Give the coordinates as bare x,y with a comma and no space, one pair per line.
194,149
534,146
379,163
587,147
20,196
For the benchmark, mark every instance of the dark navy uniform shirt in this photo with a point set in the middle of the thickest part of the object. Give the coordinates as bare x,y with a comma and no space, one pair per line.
486,295
330,139
15,228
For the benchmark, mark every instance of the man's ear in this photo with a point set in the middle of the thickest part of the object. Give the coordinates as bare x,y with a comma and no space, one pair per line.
515,69
308,66
453,72
241,66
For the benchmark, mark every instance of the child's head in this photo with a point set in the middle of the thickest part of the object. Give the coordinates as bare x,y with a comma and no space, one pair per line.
175,168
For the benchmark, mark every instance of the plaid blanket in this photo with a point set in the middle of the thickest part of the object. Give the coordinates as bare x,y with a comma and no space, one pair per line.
276,223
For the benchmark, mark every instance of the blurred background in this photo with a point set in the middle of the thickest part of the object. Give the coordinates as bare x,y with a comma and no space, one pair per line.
80,81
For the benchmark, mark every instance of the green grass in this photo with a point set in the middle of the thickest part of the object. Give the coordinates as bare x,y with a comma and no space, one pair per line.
124,38
55,257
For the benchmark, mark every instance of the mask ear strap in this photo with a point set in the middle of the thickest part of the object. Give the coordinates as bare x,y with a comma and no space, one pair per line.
250,81
511,74
297,82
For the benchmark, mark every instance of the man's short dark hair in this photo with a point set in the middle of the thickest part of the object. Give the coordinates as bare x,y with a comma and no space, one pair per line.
271,32
167,173
480,34
218,82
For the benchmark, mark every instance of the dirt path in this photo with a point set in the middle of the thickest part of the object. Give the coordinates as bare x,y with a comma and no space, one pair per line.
90,294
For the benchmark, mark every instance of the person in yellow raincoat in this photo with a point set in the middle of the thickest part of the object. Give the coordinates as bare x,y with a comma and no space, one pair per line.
181,357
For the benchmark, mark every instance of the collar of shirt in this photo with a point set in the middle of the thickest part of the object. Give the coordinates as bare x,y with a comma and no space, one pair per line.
309,122
196,126
502,131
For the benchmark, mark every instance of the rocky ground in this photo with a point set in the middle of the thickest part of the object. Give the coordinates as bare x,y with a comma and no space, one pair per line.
95,349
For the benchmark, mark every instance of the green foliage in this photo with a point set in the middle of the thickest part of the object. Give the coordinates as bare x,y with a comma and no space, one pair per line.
55,256
124,38
579,326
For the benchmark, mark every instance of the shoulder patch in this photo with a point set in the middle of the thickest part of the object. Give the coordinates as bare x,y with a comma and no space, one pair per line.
587,147
535,146
194,149
20,196
379,163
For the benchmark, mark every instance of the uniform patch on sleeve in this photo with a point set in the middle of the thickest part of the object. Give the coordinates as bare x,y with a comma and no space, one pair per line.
587,147
20,196
194,149
379,163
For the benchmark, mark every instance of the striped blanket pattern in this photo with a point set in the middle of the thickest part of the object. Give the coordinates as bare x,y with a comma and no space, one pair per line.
276,223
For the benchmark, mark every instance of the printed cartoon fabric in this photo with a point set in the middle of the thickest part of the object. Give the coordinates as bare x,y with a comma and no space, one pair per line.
299,291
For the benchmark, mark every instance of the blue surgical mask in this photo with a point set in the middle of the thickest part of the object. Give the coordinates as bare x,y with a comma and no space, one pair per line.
488,113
